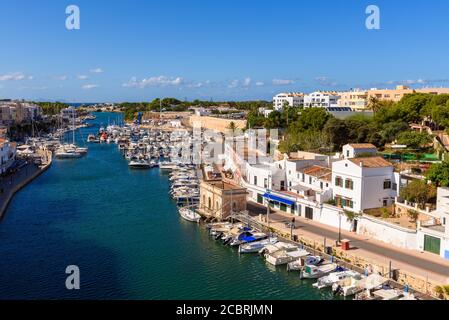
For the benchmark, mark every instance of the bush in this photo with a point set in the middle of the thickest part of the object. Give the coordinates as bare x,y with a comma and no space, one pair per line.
413,215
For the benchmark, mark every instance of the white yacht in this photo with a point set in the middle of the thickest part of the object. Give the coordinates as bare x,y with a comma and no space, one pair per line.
189,215
139,164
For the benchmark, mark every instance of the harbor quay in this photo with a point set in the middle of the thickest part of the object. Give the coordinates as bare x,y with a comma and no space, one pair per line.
23,172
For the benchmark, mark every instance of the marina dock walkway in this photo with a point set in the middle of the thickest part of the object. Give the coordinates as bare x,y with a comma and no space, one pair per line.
12,183
425,265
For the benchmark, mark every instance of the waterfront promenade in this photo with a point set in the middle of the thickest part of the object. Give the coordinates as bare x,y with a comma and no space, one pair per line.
13,182
417,265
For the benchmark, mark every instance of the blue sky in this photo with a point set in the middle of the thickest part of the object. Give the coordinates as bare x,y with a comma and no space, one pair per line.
137,50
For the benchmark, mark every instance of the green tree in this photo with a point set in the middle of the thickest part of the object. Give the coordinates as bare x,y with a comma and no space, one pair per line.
414,139
438,173
312,119
418,191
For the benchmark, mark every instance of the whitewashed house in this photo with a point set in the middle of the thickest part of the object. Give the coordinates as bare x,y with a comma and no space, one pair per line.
354,150
433,235
7,154
364,183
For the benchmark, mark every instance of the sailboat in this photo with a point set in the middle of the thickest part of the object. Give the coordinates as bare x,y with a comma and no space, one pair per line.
70,151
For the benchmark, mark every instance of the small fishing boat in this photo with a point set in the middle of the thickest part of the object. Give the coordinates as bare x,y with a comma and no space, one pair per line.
297,265
314,272
355,284
271,248
92,139
189,214
333,277
257,245
282,257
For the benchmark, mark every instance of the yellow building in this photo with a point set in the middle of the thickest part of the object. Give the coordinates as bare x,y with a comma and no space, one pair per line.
359,99
218,198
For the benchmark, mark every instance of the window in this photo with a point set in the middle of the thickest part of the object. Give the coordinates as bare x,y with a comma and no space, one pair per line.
303,177
395,186
310,180
338,181
265,183
347,153
349,184
255,180
387,184
321,185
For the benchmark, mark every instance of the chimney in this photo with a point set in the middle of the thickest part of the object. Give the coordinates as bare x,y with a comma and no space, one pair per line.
361,164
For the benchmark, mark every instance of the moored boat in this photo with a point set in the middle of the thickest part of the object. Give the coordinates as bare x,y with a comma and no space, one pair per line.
189,214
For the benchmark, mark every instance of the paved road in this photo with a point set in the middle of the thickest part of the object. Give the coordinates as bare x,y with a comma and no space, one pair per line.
368,245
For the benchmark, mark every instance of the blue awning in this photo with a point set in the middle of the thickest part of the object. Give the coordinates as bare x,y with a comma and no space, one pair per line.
278,199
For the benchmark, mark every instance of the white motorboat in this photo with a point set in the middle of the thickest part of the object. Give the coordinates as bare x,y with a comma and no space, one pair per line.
256,246
66,153
297,265
247,237
271,248
189,215
314,272
355,284
333,277
282,257
139,164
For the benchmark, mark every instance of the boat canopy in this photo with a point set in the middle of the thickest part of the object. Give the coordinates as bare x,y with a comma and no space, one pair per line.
278,199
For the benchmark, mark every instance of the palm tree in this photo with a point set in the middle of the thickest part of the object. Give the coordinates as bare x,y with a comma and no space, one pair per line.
374,104
232,126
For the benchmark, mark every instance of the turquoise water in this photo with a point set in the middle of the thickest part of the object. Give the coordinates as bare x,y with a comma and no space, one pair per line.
123,232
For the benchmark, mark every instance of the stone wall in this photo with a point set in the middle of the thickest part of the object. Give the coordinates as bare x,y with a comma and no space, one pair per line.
217,124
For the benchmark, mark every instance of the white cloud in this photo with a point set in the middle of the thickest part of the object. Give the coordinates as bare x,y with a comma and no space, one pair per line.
326,82
96,70
160,81
260,83
34,88
15,76
61,78
82,77
233,84
283,82
247,82
89,86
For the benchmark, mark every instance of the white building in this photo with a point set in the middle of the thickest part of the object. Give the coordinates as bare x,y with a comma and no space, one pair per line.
7,155
433,235
16,112
291,99
176,123
354,150
68,113
202,112
364,183
321,99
